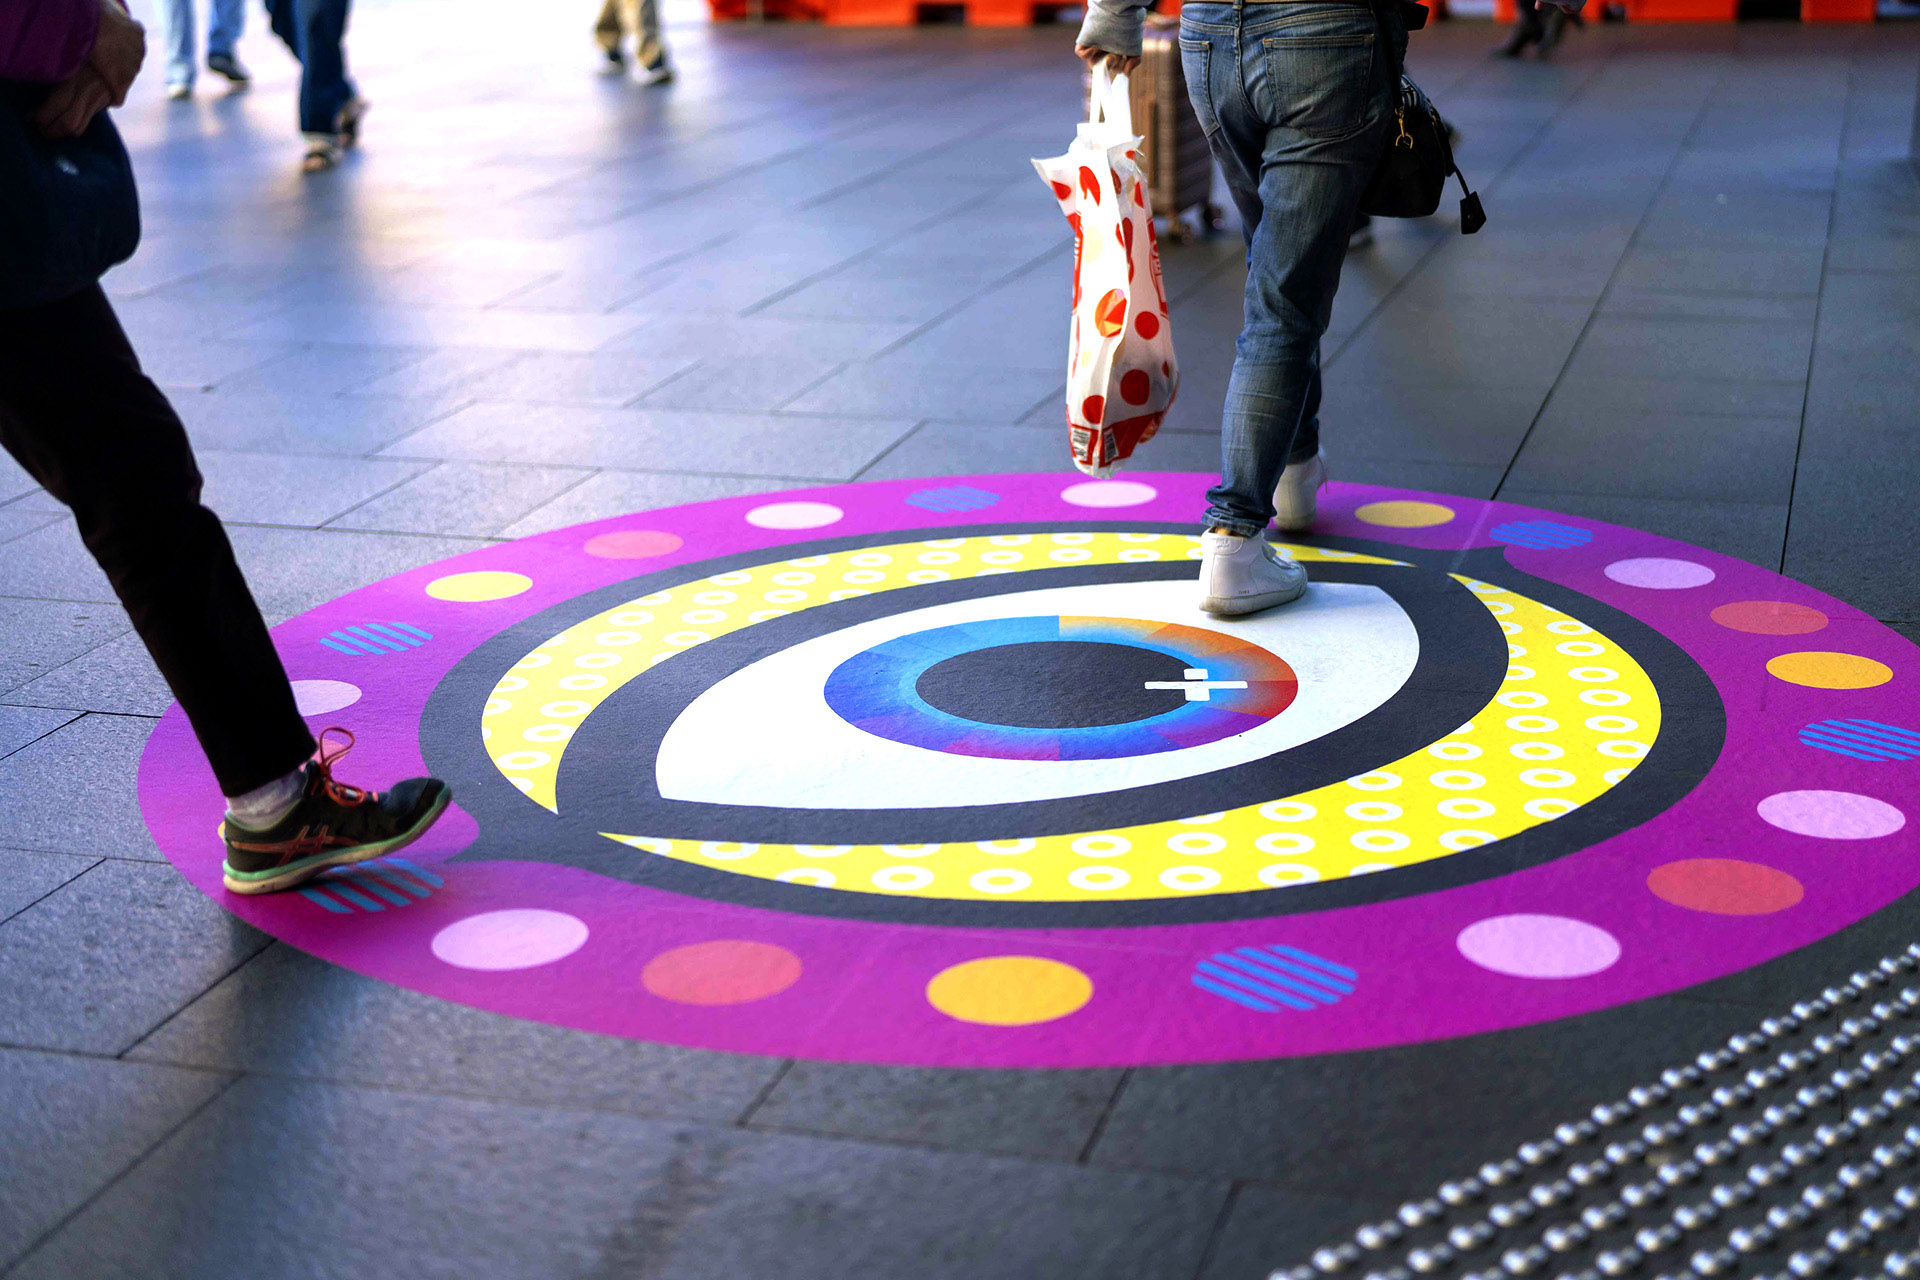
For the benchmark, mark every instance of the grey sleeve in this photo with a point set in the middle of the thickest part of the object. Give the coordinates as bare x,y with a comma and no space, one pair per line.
1113,25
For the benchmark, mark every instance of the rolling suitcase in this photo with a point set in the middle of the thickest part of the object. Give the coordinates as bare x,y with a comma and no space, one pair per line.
1174,153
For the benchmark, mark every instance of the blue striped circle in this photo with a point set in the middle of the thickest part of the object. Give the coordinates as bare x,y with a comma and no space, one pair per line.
372,639
953,498
1863,739
1541,535
392,881
1268,979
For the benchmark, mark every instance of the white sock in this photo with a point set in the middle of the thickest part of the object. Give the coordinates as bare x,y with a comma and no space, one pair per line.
263,806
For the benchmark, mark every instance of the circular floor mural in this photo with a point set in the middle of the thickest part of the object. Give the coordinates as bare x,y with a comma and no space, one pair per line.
956,773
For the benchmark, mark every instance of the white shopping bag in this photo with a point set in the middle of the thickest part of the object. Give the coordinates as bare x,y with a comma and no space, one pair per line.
1121,371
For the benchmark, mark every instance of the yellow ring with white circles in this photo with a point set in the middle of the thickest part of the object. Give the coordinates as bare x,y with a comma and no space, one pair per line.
1573,716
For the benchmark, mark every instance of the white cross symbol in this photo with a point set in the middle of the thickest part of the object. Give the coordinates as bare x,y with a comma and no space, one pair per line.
1198,688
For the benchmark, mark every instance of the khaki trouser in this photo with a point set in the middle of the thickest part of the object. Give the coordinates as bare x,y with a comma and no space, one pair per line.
641,18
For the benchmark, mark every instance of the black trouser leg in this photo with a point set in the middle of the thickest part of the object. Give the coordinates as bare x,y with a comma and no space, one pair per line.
81,417
1526,28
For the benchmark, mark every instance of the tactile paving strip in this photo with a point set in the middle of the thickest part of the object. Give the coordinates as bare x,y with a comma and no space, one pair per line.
1791,1151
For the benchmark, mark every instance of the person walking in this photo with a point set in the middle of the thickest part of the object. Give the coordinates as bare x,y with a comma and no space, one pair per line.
330,107
226,19
1296,98
83,420
641,20
1539,24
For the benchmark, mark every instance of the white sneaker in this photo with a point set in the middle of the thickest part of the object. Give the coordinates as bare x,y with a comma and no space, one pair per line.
1297,495
1245,575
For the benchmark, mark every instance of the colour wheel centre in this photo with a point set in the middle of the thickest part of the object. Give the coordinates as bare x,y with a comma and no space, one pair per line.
956,773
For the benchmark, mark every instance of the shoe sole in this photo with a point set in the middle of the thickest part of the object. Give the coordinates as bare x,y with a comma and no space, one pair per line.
307,868
1230,607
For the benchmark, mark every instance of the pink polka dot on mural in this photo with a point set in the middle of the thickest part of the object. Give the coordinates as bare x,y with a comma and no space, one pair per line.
518,938
795,515
632,544
1832,815
1109,493
727,971
1658,573
319,697
1539,946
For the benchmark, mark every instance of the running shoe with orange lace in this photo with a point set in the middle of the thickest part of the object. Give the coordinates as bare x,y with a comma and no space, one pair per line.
331,825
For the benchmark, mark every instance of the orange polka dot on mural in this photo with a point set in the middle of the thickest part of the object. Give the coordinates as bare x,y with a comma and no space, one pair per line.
726,971
632,544
1769,617
1824,670
1009,991
1725,887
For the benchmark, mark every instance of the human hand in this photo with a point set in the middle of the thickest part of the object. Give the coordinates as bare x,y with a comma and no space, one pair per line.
118,50
73,104
1117,63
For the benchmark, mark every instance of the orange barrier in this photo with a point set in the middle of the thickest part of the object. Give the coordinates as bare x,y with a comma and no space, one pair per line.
1717,10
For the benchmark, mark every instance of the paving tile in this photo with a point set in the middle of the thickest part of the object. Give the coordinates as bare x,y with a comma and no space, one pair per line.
292,570
1592,384
1271,1229
923,388
1582,448
36,636
26,877
320,370
605,379
289,1015
102,960
438,374
462,499
1413,422
724,337
1749,531
272,488
657,439
954,448
118,677
1436,477
18,521
1386,1126
21,725
616,493
588,1193
51,563
1050,1114
1790,309
264,422
1523,348
740,384
181,363
400,325
1737,350
14,481
1788,269
77,1123
72,790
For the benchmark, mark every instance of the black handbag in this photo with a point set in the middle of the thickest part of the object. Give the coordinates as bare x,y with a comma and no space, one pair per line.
1412,173
69,209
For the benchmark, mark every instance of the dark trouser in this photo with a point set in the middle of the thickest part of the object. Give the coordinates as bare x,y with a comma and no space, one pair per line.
315,30
78,414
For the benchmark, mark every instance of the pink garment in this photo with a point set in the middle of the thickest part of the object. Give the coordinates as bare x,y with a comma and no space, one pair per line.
46,40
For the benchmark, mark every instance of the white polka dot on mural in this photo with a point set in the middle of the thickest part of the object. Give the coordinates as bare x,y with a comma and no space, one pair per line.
517,938
1539,946
795,515
319,697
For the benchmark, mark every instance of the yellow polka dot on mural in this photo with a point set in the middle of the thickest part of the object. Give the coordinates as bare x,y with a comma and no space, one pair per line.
477,587
1404,515
1820,670
1009,991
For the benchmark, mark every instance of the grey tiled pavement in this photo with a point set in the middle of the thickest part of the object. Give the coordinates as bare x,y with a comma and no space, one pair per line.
538,297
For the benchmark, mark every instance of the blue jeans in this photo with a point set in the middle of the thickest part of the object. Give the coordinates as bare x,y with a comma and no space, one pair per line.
1296,99
228,18
314,30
